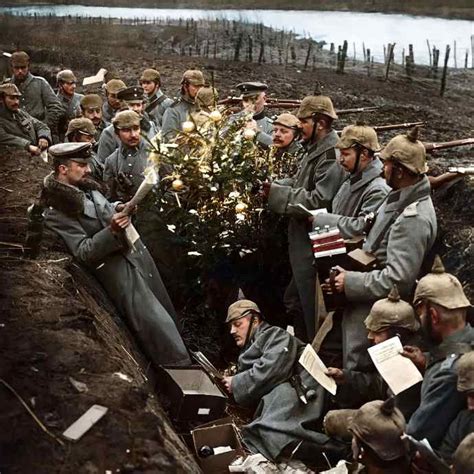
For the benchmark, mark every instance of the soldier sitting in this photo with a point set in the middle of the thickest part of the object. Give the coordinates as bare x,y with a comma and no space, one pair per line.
124,168
38,98
388,317
69,99
17,127
131,98
463,462
463,424
156,101
289,401
82,130
442,306
376,429
93,230
91,108
180,110
112,104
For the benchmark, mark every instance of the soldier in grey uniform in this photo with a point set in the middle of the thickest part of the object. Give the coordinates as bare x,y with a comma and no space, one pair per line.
314,185
253,96
38,98
400,239
91,108
112,104
124,168
377,429
156,101
442,306
463,424
133,98
181,109
69,98
92,229
82,130
463,461
288,400
17,127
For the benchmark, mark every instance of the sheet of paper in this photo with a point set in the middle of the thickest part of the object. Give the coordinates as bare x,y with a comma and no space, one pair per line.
399,372
85,422
131,235
313,212
99,77
316,368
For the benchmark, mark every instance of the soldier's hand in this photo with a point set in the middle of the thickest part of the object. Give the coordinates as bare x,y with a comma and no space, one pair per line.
119,222
339,281
337,375
43,143
416,355
228,383
34,150
121,207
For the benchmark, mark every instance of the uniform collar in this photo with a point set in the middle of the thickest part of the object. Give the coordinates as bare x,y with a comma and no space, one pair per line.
126,150
397,199
321,146
260,115
21,85
371,172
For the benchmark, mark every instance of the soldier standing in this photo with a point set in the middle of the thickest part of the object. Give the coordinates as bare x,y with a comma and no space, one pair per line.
70,100
112,104
91,108
17,127
403,233
157,101
38,98
180,110
314,185
92,229
442,306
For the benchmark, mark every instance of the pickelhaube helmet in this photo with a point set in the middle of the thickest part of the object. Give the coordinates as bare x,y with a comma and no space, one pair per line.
407,150
240,309
391,312
193,77
206,97
361,135
316,104
441,288
380,425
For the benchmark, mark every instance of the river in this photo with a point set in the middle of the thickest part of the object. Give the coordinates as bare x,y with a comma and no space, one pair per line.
371,29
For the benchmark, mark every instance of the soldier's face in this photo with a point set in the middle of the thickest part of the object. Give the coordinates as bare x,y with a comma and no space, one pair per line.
138,107
348,158
307,125
12,102
260,102
74,172
378,337
130,136
113,101
193,90
94,114
239,330
20,72
69,88
149,87
282,136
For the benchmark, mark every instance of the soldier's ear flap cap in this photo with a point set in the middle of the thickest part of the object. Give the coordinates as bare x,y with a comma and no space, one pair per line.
79,152
241,308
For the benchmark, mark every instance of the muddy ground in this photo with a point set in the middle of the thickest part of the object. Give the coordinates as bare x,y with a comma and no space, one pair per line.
56,325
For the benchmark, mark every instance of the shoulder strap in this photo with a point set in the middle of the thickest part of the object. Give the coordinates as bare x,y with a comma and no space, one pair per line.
457,348
155,102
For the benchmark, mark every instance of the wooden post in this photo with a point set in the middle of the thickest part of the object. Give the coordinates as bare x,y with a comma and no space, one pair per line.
364,52
354,58
238,45
403,57
308,54
435,62
445,71
250,50
368,61
391,47
342,55
261,58
472,51
385,54
465,59
455,56
429,51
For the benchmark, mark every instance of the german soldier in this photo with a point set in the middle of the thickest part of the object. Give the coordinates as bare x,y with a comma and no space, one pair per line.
17,127
403,233
442,306
70,100
92,229
91,108
180,110
463,462
112,104
157,102
314,185
38,98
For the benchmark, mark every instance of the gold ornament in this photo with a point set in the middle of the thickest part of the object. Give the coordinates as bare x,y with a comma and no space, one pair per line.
240,207
177,185
188,126
215,116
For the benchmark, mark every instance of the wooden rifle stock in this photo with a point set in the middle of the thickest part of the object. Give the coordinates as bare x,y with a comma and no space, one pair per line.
451,144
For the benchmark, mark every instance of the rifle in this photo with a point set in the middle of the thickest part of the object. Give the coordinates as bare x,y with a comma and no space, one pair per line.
292,104
394,126
430,147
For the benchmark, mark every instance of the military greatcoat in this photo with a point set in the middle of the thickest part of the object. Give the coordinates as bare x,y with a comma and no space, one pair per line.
403,233
281,418
314,185
129,276
20,129
177,113
156,107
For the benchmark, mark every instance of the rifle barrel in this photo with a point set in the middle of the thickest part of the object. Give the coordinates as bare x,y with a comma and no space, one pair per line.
394,126
451,144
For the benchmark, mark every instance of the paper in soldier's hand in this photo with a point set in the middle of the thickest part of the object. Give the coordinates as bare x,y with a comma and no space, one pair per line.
316,368
399,372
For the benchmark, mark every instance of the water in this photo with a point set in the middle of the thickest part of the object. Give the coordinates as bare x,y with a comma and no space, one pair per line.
372,29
